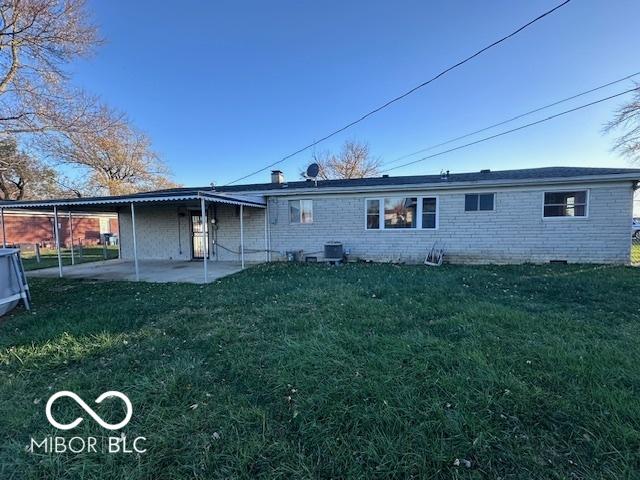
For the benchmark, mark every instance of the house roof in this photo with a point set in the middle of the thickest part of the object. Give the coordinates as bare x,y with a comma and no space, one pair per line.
504,177
251,194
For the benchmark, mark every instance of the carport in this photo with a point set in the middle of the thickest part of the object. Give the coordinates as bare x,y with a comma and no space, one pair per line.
197,202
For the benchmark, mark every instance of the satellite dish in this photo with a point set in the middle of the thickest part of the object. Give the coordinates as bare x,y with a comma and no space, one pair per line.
313,170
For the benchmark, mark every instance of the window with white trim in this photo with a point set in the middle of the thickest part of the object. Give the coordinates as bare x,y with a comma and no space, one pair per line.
565,204
429,212
479,202
401,213
301,211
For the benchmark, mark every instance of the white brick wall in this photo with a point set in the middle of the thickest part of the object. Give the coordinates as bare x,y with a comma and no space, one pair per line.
161,233
515,232
228,233
157,234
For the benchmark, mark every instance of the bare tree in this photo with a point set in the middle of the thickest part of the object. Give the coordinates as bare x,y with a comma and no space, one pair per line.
38,38
627,119
25,177
353,161
116,158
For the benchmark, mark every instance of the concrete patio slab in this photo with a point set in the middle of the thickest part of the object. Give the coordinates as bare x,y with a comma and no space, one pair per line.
156,271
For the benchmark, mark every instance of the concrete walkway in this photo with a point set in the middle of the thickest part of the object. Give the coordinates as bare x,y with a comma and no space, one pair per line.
157,271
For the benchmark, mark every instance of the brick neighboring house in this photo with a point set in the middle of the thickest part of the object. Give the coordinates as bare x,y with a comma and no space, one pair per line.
37,228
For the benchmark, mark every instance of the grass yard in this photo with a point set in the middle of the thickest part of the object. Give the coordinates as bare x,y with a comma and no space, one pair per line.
49,257
360,371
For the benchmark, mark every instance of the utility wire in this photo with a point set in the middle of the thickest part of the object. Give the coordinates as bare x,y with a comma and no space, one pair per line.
517,117
407,93
514,129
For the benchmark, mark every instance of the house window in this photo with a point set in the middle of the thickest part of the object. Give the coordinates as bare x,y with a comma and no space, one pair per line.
401,213
373,214
429,212
565,204
301,211
474,202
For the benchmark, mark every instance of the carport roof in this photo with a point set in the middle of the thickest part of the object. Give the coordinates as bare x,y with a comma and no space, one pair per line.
113,202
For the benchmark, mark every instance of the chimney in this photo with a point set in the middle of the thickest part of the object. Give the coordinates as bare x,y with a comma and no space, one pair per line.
277,176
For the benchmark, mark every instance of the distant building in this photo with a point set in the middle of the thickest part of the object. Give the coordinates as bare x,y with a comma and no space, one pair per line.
37,228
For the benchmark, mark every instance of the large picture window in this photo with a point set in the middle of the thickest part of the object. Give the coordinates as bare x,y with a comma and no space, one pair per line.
401,213
565,204
301,211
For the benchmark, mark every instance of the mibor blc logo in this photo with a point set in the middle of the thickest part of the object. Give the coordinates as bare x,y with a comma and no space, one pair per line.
89,410
58,444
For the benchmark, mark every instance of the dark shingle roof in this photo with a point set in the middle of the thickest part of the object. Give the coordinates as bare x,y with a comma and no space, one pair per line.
546,173
504,177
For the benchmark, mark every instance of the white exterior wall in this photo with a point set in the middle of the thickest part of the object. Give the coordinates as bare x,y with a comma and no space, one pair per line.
514,233
158,236
162,234
227,234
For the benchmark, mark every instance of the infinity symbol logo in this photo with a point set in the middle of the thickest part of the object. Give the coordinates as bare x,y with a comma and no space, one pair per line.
89,410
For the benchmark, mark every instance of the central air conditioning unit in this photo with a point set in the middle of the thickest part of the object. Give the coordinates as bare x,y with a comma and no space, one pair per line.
333,251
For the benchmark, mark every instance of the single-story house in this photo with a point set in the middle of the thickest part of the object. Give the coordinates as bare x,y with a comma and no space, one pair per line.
513,216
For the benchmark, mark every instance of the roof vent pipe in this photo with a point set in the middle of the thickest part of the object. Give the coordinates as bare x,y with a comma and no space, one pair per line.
277,176
444,175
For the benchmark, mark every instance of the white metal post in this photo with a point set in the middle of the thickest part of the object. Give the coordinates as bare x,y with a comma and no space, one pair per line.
4,232
242,236
73,257
203,218
119,237
135,245
266,235
57,234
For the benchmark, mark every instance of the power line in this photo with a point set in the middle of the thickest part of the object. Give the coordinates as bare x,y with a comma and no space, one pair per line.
407,93
513,129
517,117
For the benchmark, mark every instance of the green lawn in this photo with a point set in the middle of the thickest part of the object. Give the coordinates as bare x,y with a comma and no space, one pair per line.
360,371
49,257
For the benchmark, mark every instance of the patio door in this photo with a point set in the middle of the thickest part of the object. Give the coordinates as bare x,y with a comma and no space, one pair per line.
198,248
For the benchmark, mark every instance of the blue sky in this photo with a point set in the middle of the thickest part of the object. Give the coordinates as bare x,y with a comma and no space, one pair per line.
226,87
